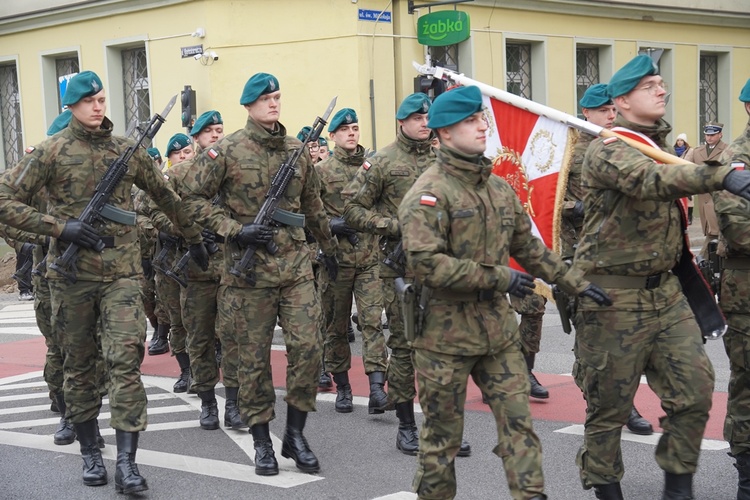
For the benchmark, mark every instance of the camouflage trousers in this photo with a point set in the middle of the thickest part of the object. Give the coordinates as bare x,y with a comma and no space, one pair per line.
442,380
531,308
198,303
148,295
230,355
368,294
252,313
115,310
614,348
400,372
168,291
737,421
53,361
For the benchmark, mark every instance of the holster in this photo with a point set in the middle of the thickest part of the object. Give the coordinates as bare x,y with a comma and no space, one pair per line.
564,307
407,294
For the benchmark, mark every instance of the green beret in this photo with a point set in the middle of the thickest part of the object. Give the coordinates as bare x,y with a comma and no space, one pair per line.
84,84
258,85
177,142
418,102
595,97
208,118
344,116
453,106
629,75
322,141
745,92
304,133
154,153
59,123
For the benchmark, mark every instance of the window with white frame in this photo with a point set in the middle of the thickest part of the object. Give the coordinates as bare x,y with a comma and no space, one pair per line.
10,115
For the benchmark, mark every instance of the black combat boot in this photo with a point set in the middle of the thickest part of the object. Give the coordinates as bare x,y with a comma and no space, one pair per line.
609,491
407,440
159,341
325,381
355,320
379,402
65,433
465,449
678,486
209,418
127,478
639,425
184,381
94,473
99,439
537,390
344,398
232,411
743,468
295,445
265,459
350,333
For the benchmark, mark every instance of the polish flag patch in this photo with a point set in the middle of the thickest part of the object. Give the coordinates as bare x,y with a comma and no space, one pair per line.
738,165
213,153
30,149
428,200
609,140
366,165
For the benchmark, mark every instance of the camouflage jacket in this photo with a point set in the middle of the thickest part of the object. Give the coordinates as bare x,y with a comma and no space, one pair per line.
633,224
241,167
335,173
461,225
70,164
734,222
570,228
373,197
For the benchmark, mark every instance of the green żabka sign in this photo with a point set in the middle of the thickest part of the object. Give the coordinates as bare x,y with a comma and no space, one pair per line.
446,27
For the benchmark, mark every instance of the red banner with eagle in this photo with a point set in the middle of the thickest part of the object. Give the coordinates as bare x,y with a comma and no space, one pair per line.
532,153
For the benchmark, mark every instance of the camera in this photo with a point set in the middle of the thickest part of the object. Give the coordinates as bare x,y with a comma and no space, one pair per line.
198,56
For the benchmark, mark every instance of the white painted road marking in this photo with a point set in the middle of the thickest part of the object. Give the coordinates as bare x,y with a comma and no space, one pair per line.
653,439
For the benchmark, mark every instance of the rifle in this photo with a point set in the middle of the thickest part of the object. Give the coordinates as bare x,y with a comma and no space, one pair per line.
267,215
92,214
40,268
28,261
167,245
711,268
396,259
562,301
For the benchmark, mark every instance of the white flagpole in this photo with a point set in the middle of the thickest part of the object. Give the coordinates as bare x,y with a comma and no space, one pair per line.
551,113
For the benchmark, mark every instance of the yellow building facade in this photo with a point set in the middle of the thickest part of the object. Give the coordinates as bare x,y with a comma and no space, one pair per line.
360,51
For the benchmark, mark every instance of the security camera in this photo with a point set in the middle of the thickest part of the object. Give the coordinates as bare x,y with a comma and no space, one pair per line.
213,55
197,56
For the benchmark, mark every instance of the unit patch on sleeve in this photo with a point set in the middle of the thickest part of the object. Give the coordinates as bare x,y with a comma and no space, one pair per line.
428,200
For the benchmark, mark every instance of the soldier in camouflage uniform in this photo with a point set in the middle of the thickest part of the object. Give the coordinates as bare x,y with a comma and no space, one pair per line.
460,226
358,270
734,223
632,239
598,109
106,294
240,168
372,200
179,149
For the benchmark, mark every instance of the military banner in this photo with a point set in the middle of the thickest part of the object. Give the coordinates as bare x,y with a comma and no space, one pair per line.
532,153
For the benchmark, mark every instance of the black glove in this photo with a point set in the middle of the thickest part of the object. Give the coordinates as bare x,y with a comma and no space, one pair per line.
166,237
254,234
199,254
738,182
597,295
521,284
331,265
148,268
209,237
578,210
80,233
339,227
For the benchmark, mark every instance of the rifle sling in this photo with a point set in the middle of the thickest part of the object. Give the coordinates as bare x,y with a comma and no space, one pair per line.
118,215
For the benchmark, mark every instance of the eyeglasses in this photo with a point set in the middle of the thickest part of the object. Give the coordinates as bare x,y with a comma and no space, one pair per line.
313,146
653,88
